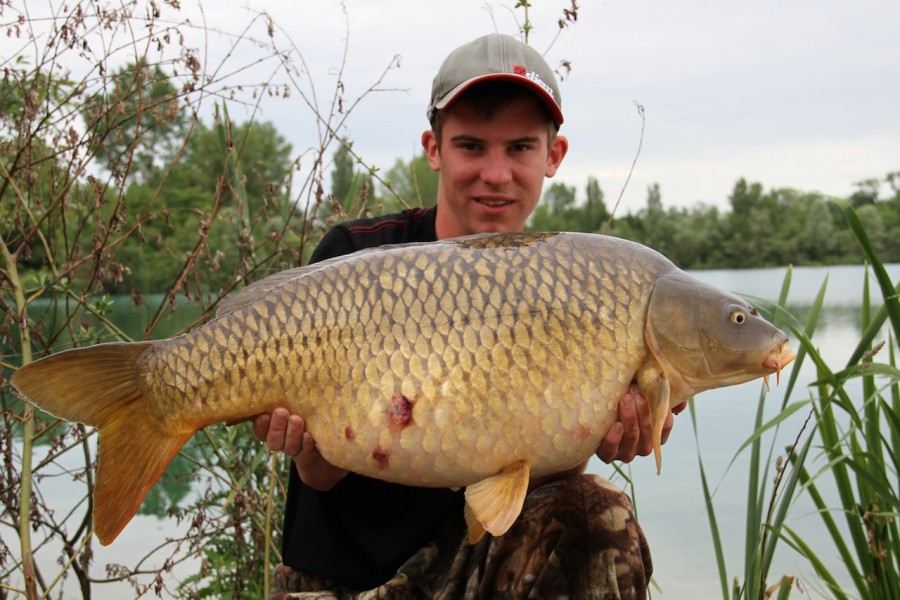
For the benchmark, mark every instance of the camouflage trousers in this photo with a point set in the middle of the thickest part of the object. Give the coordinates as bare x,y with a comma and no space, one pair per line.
576,538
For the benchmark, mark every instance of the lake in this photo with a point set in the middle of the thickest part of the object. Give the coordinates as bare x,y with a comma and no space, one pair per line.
671,506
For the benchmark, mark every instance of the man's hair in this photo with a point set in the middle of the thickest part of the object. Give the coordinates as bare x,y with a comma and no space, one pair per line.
486,98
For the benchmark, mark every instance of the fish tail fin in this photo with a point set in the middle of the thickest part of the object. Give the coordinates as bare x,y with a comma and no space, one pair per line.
98,386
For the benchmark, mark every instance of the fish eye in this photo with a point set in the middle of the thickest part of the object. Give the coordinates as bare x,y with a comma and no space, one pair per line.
738,316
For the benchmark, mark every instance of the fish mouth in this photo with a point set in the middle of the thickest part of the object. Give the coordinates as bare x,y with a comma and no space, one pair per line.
776,360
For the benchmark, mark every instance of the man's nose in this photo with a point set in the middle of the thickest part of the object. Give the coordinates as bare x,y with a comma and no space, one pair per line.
496,169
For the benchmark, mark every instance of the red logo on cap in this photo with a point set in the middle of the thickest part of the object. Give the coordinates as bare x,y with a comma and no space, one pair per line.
519,70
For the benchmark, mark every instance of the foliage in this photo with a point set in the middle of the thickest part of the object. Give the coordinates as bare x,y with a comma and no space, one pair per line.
853,420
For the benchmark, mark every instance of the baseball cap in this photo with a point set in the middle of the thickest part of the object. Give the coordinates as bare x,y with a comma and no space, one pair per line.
492,57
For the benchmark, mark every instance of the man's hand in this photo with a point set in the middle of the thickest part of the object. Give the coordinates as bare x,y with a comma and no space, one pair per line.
631,435
284,432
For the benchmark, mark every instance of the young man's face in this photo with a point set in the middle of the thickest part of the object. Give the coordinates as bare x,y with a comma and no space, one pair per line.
491,169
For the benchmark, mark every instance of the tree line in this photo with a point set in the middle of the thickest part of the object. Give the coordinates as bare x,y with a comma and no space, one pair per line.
760,228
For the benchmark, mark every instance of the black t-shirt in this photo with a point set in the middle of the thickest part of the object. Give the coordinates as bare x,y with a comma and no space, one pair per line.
361,531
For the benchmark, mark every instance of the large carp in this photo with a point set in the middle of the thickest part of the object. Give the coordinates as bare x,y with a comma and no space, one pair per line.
478,361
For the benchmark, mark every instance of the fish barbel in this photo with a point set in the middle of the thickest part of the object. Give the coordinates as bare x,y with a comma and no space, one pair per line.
480,362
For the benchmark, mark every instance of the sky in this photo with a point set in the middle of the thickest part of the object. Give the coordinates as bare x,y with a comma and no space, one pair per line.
802,94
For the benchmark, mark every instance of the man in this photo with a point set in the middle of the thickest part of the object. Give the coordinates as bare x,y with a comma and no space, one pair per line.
495,113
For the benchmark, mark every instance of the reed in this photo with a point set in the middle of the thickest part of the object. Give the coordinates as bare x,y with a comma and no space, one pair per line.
844,458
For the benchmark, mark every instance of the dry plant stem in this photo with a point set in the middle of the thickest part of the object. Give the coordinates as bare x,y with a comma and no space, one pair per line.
774,496
612,213
332,126
274,470
28,566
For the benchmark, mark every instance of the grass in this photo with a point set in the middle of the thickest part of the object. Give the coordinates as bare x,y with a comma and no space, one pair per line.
847,449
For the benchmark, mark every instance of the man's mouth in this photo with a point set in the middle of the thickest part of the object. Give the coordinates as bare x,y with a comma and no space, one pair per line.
493,202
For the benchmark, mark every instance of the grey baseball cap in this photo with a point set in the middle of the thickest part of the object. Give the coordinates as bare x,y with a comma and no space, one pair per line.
492,57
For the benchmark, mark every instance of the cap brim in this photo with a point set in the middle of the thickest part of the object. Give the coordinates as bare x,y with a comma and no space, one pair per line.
540,92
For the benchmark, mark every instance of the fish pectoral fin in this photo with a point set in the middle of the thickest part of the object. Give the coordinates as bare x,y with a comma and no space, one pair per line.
654,386
494,504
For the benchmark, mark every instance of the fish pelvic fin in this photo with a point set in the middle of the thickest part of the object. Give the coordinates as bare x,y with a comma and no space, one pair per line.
494,504
98,386
476,530
654,386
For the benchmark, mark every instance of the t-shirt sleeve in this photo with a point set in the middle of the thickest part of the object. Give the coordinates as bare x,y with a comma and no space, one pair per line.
335,242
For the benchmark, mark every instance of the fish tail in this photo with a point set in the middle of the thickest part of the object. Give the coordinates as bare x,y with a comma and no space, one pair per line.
98,386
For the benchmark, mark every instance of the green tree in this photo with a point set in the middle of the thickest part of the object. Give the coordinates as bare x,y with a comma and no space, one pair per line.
136,122
866,192
411,183
342,172
595,212
657,226
558,210
748,225
351,193
817,241
229,184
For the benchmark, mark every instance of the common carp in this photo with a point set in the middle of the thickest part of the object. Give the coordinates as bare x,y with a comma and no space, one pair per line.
480,362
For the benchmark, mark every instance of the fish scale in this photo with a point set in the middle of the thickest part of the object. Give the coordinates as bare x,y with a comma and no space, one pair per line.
478,362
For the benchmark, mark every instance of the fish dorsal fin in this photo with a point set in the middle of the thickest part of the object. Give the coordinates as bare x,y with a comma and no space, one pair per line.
496,502
653,382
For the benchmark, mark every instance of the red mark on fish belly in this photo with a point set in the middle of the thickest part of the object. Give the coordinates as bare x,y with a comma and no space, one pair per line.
582,432
399,412
349,434
381,457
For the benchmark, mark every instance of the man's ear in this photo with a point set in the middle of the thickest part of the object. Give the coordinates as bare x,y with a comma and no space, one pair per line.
558,149
429,143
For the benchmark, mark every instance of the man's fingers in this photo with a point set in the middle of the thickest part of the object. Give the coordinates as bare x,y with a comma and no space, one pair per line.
293,438
261,426
609,446
644,444
631,430
277,429
309,444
